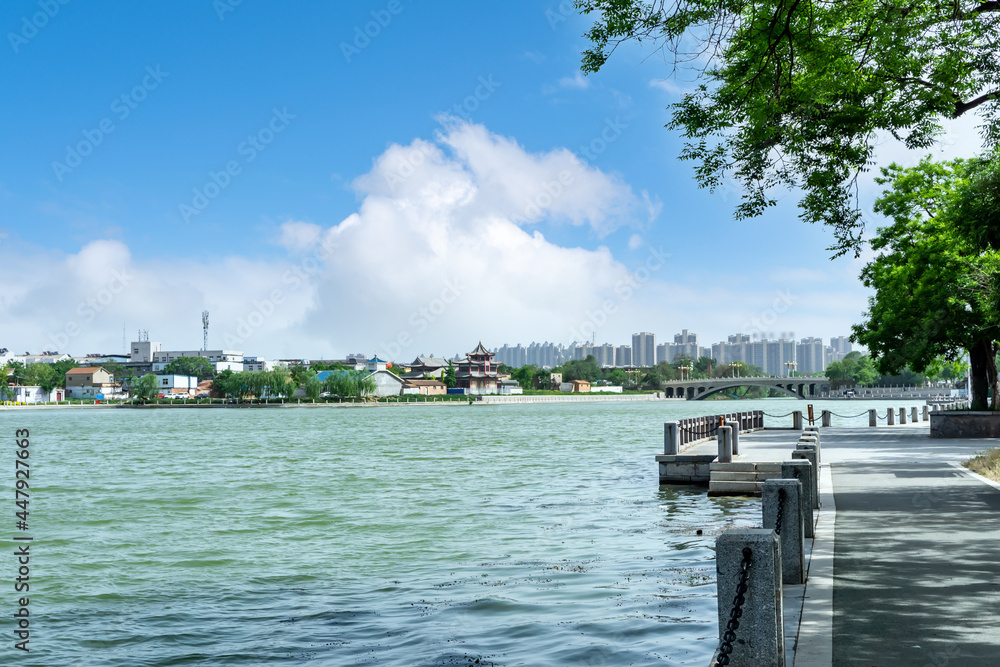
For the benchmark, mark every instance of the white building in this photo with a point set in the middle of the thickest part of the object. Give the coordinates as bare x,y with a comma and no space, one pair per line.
256,364
177,384
30,394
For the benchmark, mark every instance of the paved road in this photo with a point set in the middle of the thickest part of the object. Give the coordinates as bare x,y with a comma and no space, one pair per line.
916,571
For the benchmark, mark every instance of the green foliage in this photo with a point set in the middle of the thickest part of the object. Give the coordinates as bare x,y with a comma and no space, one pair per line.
795,94
254,384
936,285
313,387
145,387
582,369
350,384
853,370
448,377
197,366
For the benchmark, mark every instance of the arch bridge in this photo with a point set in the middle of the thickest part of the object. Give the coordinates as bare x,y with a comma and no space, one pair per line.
695,390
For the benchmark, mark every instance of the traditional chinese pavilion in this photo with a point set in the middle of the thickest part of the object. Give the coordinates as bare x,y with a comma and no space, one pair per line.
477,372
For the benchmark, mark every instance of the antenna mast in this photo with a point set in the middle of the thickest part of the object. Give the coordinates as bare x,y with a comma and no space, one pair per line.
204,327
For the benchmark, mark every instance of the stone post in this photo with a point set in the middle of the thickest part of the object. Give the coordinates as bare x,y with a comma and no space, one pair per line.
913,415
872,418
811,456
926,413
890,417
671,438
809,444
760,639
735,426
797,420
800,470
725,444
827,418
792,524
902,415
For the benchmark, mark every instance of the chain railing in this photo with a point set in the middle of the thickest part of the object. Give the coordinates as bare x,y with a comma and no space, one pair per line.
729,636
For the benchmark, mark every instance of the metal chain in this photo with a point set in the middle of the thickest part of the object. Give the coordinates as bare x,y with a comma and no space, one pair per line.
781,511
729,636
849,416
767,414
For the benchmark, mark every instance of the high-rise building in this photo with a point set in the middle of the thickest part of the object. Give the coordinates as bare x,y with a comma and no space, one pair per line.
811,356
623,356
644,349
842,344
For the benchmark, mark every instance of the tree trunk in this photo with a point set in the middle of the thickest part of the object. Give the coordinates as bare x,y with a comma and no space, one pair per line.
982,374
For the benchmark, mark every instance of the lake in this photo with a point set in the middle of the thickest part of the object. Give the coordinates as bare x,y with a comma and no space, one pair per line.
390,535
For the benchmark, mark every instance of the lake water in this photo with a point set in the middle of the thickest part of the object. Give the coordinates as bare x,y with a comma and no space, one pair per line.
409,535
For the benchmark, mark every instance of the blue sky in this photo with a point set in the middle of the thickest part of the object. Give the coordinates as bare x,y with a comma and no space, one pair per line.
447,177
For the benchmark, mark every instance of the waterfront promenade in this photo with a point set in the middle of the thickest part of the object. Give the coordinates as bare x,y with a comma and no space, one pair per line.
905,565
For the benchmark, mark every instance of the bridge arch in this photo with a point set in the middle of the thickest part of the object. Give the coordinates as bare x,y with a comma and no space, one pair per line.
705,392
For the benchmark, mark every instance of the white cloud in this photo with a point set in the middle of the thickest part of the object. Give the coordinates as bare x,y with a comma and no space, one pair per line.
635,242
443,250
669,86
576,82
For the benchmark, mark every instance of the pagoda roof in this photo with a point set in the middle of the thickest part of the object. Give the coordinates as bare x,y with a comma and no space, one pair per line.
480,351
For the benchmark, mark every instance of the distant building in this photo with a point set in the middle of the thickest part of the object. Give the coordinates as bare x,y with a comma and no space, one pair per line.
477,373
90,382
425,387
811,356
177,384
644,349
623,356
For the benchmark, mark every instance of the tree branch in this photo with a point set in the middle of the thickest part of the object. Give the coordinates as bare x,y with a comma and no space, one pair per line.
962,107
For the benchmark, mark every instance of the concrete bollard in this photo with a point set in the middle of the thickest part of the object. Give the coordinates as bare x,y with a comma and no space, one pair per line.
671,438
725,444
814,446
913,415
797,420
827,418
926,413
792,541
902,415
811,456
735,426
890,418
800,470
760,638
872,418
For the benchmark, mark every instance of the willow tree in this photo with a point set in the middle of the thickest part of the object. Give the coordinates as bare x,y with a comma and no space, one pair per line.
795,93
937,284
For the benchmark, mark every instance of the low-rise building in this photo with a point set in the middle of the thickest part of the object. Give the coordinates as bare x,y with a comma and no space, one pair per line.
31,394
575,387
425,387
177,384
91,382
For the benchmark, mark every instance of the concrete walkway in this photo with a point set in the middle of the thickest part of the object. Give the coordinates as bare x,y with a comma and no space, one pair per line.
905,568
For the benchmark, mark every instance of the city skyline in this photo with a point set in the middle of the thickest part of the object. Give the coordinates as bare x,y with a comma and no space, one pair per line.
319,188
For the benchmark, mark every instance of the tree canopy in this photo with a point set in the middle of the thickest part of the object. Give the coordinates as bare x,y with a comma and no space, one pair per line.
936,282
198,366
796,94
